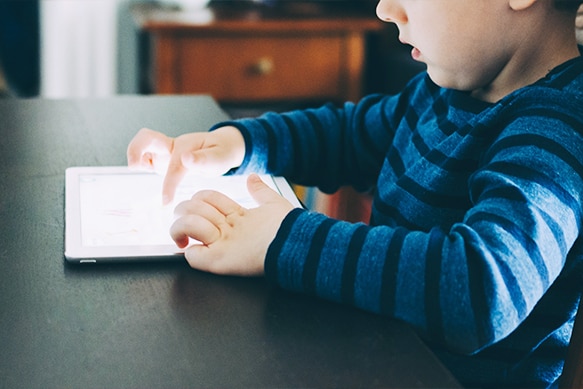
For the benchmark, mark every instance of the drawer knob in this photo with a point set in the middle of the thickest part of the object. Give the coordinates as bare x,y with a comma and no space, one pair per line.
264,66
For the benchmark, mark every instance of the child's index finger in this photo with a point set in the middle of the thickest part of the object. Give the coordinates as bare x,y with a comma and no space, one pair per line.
172,179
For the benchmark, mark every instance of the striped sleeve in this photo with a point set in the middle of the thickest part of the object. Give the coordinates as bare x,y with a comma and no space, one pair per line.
327,147
473,283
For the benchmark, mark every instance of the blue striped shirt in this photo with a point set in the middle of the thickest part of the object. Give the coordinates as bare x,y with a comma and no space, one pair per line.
477,211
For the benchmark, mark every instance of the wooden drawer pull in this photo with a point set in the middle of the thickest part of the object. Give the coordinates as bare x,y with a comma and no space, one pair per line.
264,66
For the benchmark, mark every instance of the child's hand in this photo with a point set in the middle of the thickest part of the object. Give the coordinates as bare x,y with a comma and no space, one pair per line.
234,239
205,153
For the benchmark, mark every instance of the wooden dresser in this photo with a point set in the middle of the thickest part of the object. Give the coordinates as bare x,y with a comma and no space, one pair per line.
239,52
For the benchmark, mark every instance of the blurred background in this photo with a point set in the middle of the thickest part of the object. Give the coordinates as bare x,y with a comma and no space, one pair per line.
67,48
93,48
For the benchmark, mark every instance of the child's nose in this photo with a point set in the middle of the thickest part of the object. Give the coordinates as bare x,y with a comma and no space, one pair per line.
391,11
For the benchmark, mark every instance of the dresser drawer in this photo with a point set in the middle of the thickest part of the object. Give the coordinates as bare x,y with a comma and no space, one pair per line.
240,68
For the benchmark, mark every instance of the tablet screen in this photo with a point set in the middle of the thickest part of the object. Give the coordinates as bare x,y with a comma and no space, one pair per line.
122,209
113,213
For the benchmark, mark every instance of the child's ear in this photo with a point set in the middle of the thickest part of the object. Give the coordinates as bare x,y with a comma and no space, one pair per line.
521,5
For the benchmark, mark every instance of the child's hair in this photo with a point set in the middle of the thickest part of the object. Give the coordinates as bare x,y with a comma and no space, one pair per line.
568,5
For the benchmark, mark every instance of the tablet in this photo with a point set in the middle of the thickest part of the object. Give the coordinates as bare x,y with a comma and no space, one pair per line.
116,214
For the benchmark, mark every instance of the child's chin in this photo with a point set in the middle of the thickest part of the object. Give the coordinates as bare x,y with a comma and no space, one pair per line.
440,79
447,81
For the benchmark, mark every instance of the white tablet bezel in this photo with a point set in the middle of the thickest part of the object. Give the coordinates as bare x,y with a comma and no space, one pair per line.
76,252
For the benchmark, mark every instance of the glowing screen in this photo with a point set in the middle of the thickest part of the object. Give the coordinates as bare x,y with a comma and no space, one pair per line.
126,209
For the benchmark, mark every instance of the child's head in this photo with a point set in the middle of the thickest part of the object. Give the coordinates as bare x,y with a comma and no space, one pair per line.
487,47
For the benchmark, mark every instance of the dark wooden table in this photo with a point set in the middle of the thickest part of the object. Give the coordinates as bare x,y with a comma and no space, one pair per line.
158,325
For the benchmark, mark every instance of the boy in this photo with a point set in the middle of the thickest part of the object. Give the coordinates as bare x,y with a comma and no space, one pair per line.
477,168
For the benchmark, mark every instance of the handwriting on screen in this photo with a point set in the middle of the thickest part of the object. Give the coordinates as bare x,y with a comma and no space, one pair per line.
126,209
